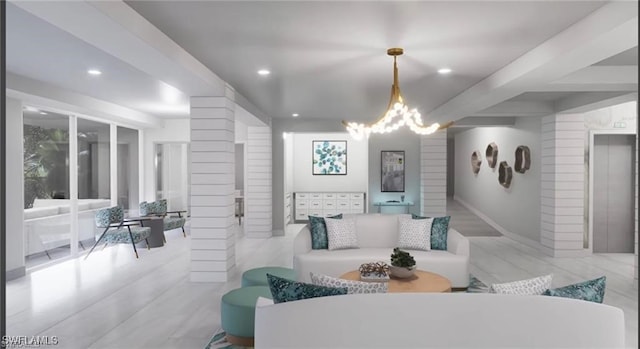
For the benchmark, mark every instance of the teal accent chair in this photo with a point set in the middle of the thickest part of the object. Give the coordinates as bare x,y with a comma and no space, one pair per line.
159,208
117,231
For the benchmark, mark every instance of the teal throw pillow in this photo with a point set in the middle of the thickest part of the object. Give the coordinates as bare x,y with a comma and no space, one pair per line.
318,228
439,230
591,290
284,290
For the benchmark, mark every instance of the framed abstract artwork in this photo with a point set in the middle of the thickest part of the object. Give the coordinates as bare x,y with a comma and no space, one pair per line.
329,157
392,170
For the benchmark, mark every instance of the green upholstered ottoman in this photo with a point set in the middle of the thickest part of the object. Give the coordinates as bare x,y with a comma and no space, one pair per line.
237,310
258,276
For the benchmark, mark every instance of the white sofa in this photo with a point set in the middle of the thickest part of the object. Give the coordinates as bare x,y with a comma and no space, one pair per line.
47,224
438,320
377,236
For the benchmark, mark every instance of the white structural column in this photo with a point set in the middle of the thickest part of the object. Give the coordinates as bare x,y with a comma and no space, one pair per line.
562,185
433,174
257,197
212,187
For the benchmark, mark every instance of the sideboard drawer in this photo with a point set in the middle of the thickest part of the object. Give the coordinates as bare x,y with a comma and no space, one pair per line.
316,213
343,204
302,204
328,213
315,195
329,196
343,196
315,204
329,205
357,196
302,215
356,205
302,195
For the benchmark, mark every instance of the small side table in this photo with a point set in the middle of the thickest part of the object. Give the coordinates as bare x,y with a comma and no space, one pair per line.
405,204
156,223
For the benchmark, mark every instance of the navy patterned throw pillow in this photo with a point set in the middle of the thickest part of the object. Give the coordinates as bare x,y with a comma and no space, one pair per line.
591,290
318,228
284,290
439,230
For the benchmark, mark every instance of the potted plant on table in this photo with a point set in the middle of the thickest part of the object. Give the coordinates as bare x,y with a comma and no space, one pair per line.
403,264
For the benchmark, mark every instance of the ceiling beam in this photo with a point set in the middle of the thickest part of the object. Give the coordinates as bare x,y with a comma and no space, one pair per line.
584,102
484,121
519,108
600,74
605,32
40,93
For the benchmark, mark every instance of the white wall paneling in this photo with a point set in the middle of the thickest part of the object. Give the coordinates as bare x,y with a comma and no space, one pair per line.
212,189
433,174
258,192
562,195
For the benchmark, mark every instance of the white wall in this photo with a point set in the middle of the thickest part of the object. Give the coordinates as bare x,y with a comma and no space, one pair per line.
14,248
174,130
356,178
517,209
606,118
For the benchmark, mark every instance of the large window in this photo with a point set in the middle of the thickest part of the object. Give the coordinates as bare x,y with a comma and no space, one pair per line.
50,181
94,177
46,186
128,168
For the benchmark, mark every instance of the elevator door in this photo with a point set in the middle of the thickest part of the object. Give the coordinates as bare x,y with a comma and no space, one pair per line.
613,193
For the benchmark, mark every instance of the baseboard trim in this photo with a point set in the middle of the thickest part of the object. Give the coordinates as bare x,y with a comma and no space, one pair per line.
499,228
16,273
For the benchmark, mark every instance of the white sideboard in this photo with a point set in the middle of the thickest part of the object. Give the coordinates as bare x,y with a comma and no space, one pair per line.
327,204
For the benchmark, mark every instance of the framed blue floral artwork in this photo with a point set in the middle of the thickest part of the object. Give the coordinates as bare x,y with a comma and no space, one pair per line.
329,157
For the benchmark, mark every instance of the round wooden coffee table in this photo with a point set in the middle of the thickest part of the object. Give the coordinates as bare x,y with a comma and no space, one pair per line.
421,281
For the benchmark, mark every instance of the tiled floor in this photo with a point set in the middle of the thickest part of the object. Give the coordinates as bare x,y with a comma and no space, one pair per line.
112,300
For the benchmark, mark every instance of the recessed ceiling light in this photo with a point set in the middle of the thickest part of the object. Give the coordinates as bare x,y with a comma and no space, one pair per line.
43,113
263,72
295,115
444,71
94,72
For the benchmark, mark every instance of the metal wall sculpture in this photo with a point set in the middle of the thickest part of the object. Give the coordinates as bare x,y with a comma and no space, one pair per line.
476,161
491,154
523,159
505,174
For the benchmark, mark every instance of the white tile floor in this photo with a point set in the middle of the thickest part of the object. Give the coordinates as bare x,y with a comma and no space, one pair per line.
112,300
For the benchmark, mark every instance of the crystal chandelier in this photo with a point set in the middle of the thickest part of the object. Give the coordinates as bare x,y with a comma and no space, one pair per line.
397,114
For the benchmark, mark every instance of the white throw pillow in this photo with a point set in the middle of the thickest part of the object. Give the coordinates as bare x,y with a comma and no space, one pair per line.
415,234
352,286
341,233
535,286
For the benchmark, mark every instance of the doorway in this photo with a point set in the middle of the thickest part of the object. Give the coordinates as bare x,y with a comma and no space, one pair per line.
613,193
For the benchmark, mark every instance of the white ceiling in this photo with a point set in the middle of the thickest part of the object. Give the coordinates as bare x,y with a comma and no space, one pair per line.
328,59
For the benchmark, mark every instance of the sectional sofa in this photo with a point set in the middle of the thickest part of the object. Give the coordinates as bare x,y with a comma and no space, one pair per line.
438,320
377,236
